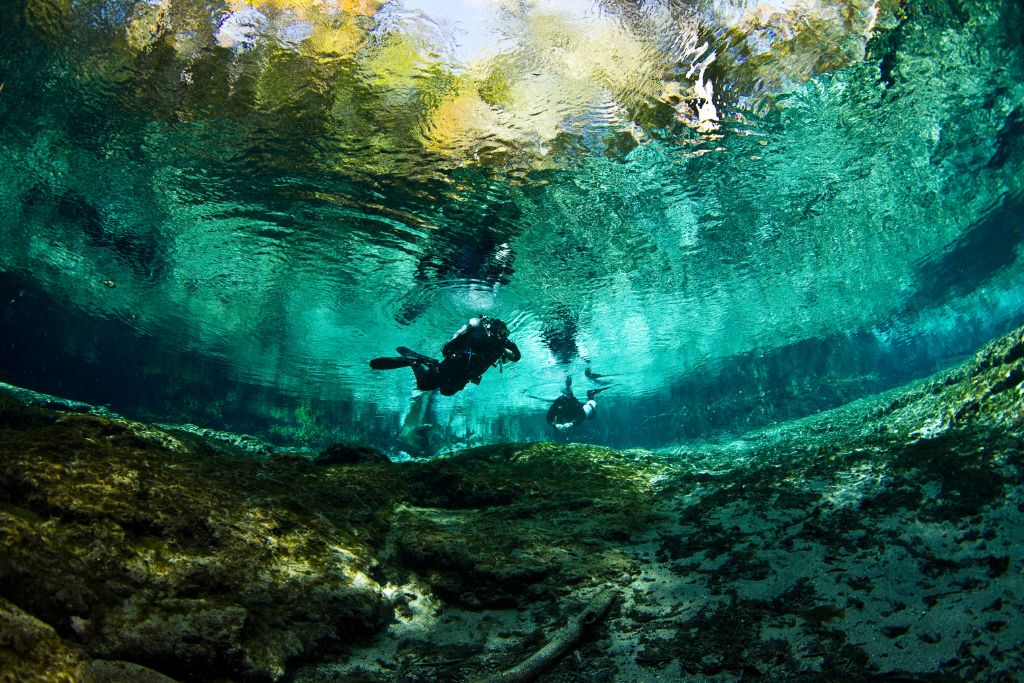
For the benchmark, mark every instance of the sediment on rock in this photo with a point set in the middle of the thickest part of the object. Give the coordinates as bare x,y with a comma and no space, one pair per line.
881,539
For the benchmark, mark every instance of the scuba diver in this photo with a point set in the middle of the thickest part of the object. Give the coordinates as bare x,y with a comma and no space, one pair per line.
568,411
479,344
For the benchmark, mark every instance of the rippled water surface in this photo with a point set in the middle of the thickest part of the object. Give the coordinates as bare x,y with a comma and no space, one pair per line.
741,212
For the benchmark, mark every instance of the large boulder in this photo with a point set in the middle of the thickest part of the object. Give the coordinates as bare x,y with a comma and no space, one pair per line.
136,548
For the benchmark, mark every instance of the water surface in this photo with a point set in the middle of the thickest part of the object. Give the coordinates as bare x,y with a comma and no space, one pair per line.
741,212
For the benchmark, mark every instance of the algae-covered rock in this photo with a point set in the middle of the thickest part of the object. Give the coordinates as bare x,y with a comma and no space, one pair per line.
113,671
179,634
505,525
31,650
136,547
349,454
880,540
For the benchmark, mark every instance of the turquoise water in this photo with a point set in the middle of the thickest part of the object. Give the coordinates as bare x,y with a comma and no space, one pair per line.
218,213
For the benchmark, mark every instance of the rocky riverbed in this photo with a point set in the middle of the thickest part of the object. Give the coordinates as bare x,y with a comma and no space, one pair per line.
879,541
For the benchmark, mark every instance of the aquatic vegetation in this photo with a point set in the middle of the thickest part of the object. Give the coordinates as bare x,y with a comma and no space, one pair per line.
777,231
167,550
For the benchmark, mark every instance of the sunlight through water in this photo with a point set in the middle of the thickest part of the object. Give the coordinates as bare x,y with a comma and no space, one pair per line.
734,212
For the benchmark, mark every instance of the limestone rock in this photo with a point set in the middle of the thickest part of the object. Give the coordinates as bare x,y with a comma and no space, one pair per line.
877,540
31,650
350,454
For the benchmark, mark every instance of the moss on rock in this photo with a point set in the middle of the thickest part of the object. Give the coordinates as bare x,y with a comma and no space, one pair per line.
139,548
31,650
140,553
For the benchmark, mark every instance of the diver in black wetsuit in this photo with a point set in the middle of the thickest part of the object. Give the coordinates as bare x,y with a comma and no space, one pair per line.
481,343
568,411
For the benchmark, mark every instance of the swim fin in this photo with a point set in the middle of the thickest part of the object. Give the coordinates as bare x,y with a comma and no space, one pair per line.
591,393
415,357
391,363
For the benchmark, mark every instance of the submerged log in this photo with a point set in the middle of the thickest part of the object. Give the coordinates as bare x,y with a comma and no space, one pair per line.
564,640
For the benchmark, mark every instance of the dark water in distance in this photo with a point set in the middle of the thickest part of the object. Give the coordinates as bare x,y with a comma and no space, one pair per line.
218,213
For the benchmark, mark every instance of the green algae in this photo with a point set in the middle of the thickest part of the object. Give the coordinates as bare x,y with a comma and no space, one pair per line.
162,534
31,651
555,474
185,554
189,524
138,523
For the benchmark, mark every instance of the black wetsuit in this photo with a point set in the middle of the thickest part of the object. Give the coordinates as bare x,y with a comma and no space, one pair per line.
476,347
566,410
467,356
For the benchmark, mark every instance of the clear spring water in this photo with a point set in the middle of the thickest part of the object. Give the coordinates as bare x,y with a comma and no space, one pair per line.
740,212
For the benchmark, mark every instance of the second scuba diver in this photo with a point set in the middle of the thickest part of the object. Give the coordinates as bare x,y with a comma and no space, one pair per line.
568,411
